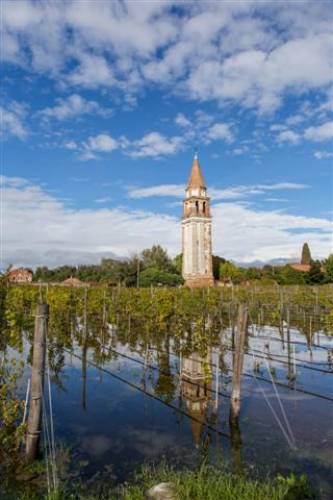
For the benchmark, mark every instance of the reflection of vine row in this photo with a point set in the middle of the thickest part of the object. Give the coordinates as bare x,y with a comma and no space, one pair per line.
269,357
296,342
151,395
143,316
281,384
164,372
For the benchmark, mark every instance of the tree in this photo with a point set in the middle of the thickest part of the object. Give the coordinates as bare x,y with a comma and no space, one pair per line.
252,273
128,271
268,271
156,257
228,270
306,254
178,263
328,266
217,261
315,275
286,275
64,272
157,277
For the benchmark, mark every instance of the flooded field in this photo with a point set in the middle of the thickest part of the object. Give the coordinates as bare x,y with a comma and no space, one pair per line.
128,391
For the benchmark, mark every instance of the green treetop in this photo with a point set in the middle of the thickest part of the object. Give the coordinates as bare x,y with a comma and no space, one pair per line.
328,265
156,257
228,270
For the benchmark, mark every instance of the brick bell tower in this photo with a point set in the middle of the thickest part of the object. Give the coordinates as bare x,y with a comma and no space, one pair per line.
197,231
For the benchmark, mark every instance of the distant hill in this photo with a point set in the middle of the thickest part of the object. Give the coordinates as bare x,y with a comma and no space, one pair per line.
260,263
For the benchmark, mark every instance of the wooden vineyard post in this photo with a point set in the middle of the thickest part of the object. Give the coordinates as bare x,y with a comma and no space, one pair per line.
238,359
236,444
37,382
84,352
84,376
290,369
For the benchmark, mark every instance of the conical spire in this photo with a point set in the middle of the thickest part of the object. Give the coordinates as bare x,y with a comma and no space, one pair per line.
196,179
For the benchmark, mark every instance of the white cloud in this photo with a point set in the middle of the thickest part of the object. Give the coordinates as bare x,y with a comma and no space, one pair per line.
320,133
12,120
295,119
89,149
103,143
277,127
240,150
279,200
323,155
91,72
182,121
288,136
155,145
284,185
39,229
106,199
73,106
244,234
208,51
16,182
327,106
236,192
219,131
176,190
201,128
256,78
71,145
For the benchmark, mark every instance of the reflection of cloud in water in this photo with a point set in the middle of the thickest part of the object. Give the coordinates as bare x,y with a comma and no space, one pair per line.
96,445
295,396
152,443
148,443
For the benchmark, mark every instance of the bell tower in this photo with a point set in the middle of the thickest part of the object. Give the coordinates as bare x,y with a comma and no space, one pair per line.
197,231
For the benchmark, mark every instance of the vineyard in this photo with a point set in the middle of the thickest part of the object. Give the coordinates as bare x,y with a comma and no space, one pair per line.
153,312
177,349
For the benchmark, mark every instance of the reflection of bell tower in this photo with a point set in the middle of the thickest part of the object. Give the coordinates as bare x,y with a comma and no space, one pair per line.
195,391
197,231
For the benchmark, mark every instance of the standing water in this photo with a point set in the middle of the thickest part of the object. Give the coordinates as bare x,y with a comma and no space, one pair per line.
127,394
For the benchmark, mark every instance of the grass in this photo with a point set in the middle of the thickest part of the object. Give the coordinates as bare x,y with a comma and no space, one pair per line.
206,483
211,484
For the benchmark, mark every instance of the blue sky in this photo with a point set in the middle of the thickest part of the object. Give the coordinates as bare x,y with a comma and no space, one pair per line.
104,103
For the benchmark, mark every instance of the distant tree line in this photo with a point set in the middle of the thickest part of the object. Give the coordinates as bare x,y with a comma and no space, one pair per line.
320,272
153,266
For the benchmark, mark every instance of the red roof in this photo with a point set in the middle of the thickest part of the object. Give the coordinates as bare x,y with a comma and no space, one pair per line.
72,281
16,274
304,268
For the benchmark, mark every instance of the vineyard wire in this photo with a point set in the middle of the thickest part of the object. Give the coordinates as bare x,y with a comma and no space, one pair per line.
153,396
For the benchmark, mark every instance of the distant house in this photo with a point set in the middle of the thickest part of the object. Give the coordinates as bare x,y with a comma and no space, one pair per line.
20,275
303,268
72,281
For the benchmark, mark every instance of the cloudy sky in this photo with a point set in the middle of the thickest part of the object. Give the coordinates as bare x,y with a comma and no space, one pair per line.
103,104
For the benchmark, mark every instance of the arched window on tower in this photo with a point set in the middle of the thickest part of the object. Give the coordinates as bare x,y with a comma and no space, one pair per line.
204,207
197,207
